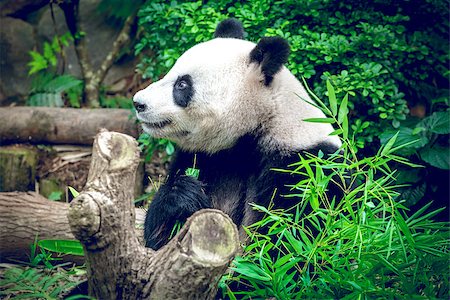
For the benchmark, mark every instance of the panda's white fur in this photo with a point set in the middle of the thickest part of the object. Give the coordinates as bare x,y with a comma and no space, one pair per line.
230,101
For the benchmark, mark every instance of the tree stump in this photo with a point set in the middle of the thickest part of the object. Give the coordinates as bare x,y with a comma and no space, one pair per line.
119,267
17,168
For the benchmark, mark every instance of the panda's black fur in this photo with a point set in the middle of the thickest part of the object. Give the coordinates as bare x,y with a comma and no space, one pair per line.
271,53
230,28
233,177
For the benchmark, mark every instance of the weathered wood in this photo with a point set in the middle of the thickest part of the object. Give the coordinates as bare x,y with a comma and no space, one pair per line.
61,125
119,267
17,168
27,216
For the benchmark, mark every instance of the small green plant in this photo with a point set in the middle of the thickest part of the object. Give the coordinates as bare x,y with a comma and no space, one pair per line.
52,90
55,196
363,245
34,282
41,257
31,283
149,145
429,146
48,59
48,88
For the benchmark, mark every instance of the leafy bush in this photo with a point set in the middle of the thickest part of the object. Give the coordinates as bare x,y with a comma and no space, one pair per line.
428,145
362,246
48,88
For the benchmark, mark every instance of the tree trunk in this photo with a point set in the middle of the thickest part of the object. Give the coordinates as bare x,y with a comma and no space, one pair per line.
93,78
91,91
119,267
25,217
61,125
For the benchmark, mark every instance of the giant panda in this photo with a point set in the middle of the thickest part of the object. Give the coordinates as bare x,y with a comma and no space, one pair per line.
232,107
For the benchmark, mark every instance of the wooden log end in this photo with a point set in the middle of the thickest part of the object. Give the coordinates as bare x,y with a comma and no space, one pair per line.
212,238
119,149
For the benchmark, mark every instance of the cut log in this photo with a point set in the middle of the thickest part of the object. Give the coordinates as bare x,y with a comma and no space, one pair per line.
61,125
17,168
119,267
27,216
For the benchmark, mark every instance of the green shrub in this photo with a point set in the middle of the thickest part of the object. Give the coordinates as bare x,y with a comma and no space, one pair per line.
363,246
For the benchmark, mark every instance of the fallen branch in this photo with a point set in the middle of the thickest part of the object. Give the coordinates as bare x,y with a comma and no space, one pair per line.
119,267
27,216
61,125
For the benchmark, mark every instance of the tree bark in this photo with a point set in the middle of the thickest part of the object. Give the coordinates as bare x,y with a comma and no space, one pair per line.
25,217
119,267
61,125
93,78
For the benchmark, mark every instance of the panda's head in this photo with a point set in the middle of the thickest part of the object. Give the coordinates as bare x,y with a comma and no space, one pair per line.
216,92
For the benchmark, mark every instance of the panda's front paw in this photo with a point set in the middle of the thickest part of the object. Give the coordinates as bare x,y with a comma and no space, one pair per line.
174,202
184,195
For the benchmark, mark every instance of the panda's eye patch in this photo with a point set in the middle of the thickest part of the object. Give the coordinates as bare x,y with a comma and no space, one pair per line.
183,90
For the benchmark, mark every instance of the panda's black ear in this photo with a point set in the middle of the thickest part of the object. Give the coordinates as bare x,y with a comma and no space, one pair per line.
271,53
229,28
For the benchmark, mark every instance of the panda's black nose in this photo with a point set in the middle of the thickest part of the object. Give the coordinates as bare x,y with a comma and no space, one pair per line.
140,107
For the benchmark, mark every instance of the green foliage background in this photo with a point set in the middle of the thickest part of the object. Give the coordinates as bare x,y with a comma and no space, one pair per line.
385,54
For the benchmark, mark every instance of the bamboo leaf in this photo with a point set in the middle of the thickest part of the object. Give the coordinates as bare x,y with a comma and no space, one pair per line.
320,120
345,127
62,246
332,97
389,145
336,132
343,109
73,191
